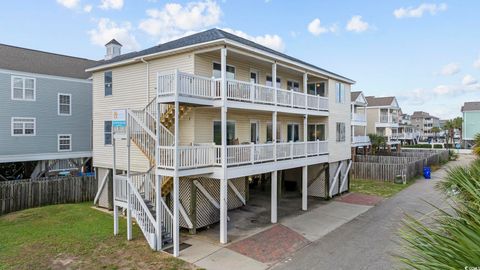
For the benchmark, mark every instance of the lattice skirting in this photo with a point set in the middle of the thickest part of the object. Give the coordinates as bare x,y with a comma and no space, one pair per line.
205,211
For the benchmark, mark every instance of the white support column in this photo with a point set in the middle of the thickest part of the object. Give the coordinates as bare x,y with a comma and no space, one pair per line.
224,180
129,195
274,134
176,180
274,191
158,183
115,207
274,81
305,132
305,90
304,187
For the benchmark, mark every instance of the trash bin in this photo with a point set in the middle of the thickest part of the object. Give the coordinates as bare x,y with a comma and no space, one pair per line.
426,172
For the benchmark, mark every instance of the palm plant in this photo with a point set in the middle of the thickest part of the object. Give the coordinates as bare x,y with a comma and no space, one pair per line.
435,130
458,124
377,141
450,129
476,146
450,239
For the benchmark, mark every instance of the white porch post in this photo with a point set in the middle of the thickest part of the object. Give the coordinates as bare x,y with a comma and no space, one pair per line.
224,180
176,180
304,187
158,183
274,81
305,90
129,195
274,134
273,217
115,207
305,168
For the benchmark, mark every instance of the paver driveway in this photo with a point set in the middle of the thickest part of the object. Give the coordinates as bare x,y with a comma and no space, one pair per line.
368,241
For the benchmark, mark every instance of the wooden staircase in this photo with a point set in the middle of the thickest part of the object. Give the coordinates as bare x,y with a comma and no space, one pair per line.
168,117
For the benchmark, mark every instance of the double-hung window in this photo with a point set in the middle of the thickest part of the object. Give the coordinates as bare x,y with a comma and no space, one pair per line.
64,142
23,88
217,71
107,132
318,89
340,132
108,81
293,132
340,92
64,104
23,126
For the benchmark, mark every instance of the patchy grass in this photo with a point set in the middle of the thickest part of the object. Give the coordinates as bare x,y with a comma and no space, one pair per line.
74,236
377,188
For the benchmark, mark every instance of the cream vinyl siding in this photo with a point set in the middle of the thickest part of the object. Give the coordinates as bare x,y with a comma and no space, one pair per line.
129,91
339,112
372,118
204,67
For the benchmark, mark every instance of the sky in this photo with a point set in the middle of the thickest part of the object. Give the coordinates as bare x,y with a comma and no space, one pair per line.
427,54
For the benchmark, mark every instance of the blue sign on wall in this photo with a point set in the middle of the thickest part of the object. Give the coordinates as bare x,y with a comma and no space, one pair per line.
119,118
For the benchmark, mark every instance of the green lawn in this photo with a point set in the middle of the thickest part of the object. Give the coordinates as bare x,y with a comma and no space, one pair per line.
377,187
74,236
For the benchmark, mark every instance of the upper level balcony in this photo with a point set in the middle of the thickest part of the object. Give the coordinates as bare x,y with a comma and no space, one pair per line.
360,140
243,158
359,119
388,120
195,89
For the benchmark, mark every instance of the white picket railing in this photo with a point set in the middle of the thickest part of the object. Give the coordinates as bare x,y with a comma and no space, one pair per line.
210,155
197,86
120,187
358,117
360,139
166,218
140,134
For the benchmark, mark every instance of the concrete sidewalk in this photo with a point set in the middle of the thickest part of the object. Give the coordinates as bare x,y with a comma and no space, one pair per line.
298,231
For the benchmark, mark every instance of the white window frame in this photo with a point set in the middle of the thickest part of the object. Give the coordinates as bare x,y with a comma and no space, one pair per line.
58,143
58,104
294,81
228,65
228,121
316,124
340,92
23,127
338,133
279,84
12,79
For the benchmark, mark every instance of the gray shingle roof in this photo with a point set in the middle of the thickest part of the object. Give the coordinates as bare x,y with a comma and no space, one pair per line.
33,61
354,95
421,114
202,37
379,101
114,41
471,106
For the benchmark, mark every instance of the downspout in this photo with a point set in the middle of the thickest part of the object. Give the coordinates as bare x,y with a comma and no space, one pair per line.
148,78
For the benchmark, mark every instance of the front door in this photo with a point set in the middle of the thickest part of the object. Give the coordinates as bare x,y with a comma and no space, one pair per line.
293,132
254,132
254,76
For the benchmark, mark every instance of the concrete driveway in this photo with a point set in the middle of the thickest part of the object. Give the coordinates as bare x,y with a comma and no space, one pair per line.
368,241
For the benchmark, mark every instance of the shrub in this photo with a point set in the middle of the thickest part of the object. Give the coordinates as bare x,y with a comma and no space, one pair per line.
418,146
438,146
449,239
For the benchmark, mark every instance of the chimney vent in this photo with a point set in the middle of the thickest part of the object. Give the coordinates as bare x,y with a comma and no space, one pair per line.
114,49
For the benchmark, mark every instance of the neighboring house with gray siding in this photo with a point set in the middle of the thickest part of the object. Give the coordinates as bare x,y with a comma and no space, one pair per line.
471,122
45,108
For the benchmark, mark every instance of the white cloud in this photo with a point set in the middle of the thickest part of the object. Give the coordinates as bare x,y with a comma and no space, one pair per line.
175,20
469,80
268,40
316,28
417,12
108,29
111,4
356,24
87,8
450,69
71,4
476,64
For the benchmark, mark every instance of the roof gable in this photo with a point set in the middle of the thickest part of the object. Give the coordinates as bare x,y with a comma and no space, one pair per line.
358,98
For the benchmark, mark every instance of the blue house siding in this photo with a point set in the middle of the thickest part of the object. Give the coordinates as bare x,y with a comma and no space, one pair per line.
45,109
471,124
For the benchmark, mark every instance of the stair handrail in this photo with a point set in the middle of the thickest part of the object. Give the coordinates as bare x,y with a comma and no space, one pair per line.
145,211
149,132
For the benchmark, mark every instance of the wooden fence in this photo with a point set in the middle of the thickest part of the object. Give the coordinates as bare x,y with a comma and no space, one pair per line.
388,167
22,194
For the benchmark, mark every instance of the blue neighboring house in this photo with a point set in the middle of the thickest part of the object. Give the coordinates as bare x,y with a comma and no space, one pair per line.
45,111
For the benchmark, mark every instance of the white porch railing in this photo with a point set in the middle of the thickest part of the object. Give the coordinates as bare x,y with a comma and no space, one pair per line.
203,87
120,187
360,139
210,155
358,117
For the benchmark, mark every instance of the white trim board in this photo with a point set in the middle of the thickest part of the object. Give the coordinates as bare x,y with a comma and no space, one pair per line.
44,156
43,76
